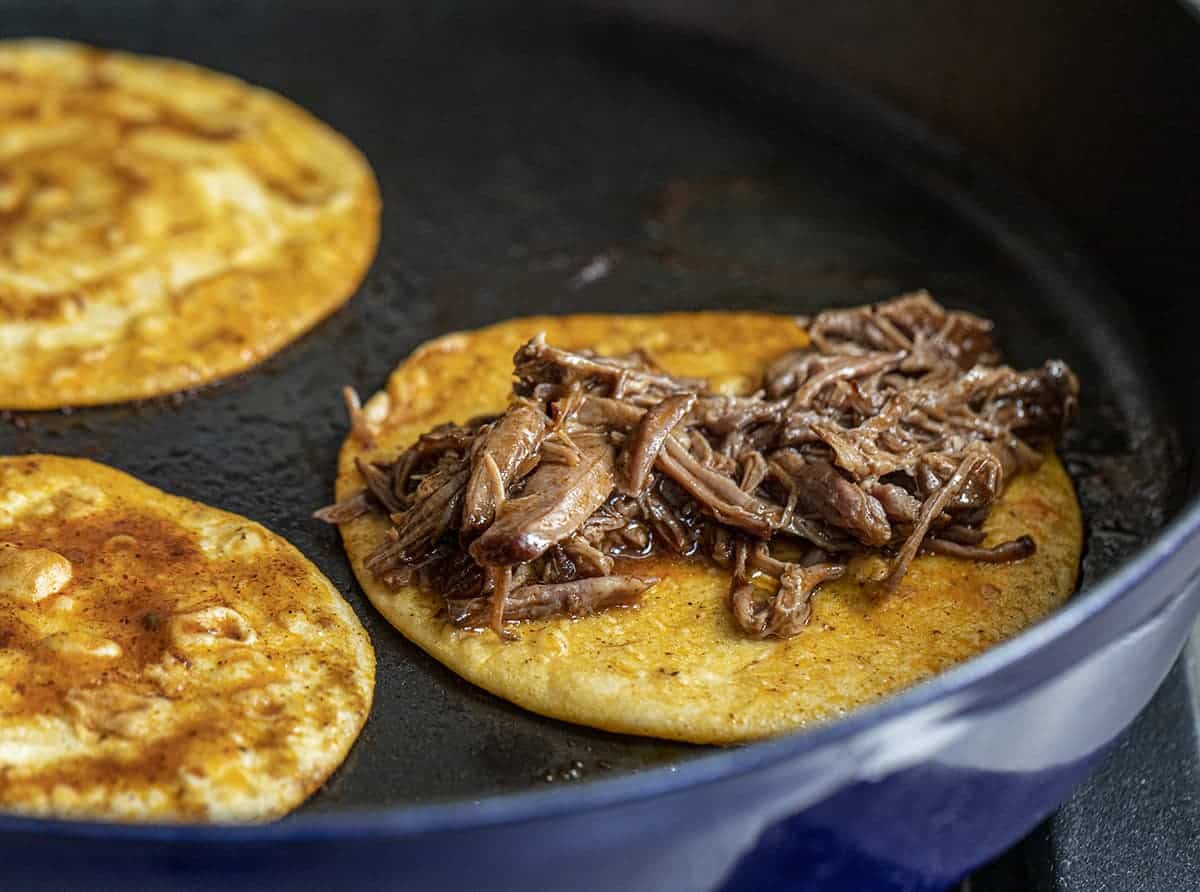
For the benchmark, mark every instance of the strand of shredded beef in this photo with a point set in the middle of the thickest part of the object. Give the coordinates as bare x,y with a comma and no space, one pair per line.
894,432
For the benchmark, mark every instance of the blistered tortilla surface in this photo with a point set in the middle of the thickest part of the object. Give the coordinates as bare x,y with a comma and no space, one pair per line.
675,666
161,660
163,225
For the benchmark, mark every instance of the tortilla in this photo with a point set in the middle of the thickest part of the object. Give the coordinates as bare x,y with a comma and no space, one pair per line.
164,226
675,666
161,660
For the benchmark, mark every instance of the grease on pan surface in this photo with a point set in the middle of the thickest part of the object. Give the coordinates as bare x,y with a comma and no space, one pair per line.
676,666
161,659
164,225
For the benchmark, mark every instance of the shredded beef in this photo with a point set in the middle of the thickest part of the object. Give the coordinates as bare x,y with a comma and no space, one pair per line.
496,457
649,435
893,433
558,499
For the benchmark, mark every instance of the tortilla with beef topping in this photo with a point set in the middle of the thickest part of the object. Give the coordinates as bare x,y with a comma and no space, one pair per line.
711,527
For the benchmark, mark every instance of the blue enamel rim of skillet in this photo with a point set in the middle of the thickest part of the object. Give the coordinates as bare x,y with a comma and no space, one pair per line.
1061,629
1060,639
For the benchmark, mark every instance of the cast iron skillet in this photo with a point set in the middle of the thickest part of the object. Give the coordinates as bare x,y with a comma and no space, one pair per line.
515,149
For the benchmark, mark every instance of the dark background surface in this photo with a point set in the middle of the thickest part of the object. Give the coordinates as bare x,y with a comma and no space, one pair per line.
513,146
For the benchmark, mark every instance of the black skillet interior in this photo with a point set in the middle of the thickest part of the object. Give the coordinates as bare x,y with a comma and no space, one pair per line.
535,160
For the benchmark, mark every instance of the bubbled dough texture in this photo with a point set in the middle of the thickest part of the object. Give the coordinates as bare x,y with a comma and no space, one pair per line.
675,667
164,226
195,667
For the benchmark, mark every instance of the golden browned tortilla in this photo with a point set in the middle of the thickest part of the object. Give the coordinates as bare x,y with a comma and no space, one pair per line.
162,226
160,659
676,666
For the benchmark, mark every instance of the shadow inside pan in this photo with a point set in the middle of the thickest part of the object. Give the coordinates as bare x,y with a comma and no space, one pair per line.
529,166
